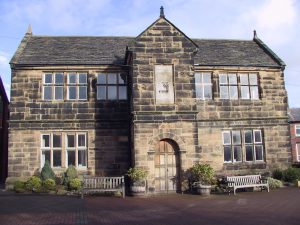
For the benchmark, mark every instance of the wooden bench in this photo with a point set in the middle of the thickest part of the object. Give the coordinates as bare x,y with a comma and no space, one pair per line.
103,184
235,182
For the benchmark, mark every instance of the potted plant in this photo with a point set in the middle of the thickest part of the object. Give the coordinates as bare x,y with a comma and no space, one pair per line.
202,176
138,181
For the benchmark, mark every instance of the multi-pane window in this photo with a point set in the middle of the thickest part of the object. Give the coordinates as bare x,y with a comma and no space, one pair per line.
76,150
241,146
51,148
297,130
53,86
77,86
73,149
298,151
248,86
234,86
228,86
203,85
112,86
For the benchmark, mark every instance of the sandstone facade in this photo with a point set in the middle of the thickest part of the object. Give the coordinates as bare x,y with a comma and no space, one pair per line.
167,122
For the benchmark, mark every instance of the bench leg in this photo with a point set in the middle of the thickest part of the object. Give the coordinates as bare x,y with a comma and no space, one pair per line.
234,191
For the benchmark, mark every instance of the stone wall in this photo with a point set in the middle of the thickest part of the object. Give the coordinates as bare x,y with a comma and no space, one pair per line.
105,123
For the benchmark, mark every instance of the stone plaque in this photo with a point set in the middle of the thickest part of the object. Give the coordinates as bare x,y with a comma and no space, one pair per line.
164,88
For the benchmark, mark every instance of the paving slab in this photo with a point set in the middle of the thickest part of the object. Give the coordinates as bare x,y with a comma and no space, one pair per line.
279,207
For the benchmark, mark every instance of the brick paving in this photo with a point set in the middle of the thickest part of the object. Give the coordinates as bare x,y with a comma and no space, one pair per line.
279,207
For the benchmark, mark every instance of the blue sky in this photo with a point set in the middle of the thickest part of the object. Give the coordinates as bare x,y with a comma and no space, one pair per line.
277,23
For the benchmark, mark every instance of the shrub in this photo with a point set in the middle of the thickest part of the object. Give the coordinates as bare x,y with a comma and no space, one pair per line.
70,174
47,172
137,174
33,183
75,184
19,186
291,174
49,184
277,174
274,183
202,173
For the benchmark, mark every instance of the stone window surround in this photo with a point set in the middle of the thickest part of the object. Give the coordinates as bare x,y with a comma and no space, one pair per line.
297,130
238,85
64,85
243,146
63,148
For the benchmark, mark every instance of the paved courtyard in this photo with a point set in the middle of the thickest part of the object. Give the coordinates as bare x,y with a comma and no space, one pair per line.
279,207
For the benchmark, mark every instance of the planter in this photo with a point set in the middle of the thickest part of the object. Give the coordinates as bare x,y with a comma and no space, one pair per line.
138,188
204,189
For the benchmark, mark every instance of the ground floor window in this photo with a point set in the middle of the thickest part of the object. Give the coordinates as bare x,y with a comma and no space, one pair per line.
243,146
64,149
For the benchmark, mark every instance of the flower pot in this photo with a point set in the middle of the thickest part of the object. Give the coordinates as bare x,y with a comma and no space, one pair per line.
204,189
138,188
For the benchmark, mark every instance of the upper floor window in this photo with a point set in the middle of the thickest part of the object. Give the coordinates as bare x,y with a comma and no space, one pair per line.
297,130
235,86
203,85
242,146
111,86
53,86
77,86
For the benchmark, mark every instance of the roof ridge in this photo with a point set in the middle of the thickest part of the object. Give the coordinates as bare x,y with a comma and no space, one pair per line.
83,36
224,39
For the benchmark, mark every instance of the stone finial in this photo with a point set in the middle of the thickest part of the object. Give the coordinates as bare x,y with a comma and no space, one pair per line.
162,14
29,30
254,34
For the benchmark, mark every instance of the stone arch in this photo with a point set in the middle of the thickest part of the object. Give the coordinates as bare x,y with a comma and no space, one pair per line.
173,137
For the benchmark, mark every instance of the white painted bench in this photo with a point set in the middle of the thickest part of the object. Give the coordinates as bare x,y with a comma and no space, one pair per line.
235,182
103,184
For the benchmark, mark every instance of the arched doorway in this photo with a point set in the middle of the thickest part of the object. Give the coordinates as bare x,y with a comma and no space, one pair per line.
167,166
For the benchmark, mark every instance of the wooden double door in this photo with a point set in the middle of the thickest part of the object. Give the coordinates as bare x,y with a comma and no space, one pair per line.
167,168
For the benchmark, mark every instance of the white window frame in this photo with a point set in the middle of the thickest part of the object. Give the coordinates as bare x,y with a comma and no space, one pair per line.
203,85
64,149
77,86
51,149
297,127
76,149
243,145
53,85
298,151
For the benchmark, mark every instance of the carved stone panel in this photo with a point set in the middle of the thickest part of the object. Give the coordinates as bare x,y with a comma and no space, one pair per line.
164,88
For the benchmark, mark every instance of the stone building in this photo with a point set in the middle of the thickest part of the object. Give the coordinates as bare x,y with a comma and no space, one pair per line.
294,120
161,101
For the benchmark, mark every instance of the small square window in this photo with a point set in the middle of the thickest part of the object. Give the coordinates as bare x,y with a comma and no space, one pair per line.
47,93
59,93
223,79
71,141
46,141
59,78
253,79
71,157
82,78
122,78
112,92
56,141
81,140
112,78
71,92
226,138
82,93
101,79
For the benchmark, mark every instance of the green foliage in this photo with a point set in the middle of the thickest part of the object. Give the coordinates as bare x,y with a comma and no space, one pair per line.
291,174
277,174
70,174
19,186
75,184
33,183
49,184
202,173
47,172
137,174
274,183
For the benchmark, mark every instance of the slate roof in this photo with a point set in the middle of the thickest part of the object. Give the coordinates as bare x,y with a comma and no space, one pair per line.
41,50
233,53
51,50
294,114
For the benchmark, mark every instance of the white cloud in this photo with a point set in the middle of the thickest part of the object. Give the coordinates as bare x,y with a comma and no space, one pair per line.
275,19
